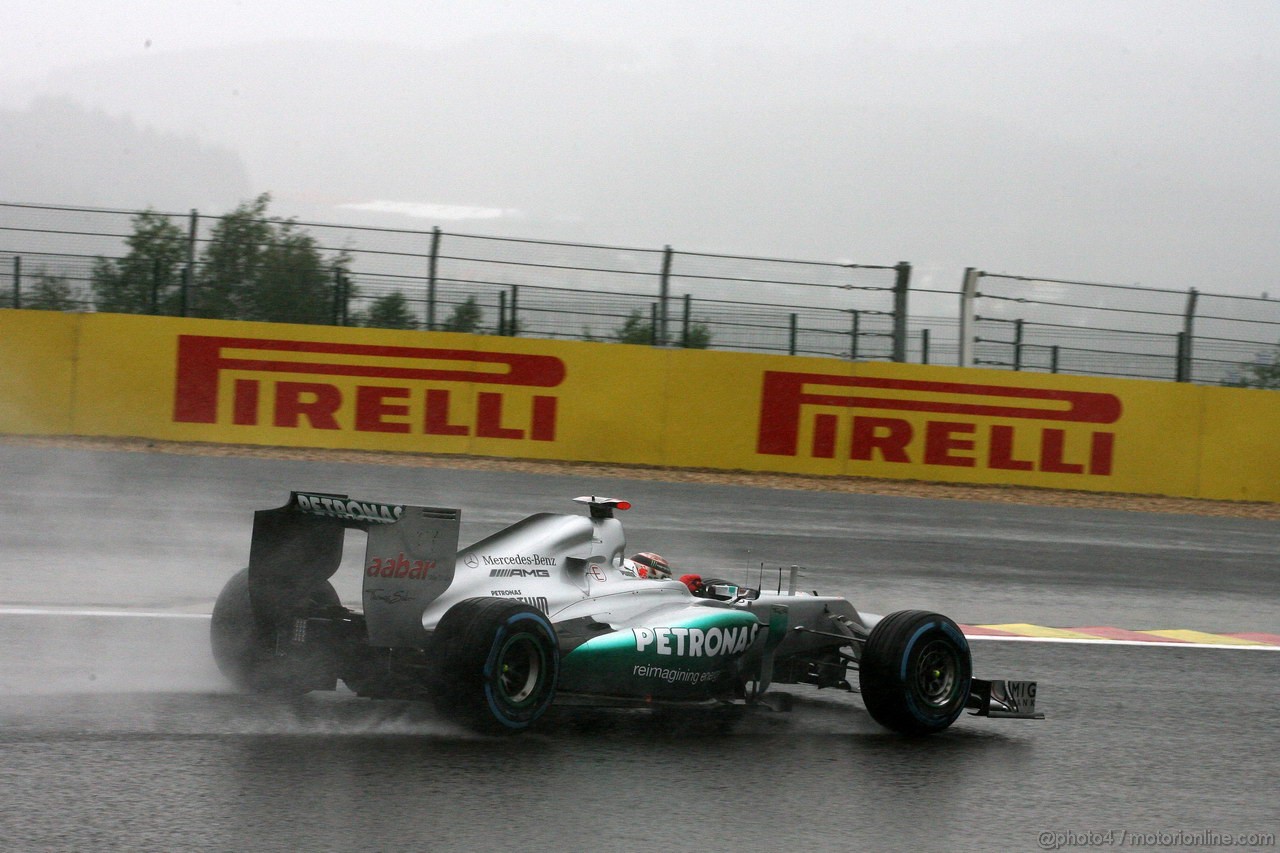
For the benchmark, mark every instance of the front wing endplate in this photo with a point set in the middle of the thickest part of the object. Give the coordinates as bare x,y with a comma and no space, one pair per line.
1008,699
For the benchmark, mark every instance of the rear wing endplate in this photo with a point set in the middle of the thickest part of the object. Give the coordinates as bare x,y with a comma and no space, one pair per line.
409,559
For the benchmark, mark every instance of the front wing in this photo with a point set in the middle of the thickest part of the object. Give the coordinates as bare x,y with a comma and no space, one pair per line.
1008,699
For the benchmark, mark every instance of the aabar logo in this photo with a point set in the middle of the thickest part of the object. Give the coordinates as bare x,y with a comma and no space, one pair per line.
404,389
399,567
957,440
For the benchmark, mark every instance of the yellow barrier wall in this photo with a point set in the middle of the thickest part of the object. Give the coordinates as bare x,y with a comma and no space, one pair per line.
308,386
37,361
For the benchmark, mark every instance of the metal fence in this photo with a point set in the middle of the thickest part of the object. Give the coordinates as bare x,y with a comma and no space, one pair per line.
1060,326
549,289
536,288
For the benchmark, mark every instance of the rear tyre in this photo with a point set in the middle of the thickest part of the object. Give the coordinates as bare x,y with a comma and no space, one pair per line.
915,672
495,665
246,655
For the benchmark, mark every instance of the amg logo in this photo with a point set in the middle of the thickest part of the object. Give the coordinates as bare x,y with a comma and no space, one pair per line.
292,379
519,573
957,440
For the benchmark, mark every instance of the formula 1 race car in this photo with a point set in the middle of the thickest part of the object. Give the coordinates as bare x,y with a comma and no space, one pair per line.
549,609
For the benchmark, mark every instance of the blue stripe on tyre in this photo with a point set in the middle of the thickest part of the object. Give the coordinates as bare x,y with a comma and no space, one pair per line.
550,661
911,644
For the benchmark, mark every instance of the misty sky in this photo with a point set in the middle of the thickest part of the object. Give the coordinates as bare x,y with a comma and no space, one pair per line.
1105,141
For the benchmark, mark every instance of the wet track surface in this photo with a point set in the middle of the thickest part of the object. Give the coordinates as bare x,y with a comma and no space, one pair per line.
116,732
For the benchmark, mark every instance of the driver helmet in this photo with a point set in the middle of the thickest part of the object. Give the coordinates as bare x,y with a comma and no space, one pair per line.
652,566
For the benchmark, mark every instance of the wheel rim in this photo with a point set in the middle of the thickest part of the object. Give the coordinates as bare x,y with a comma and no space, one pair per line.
519,670
937,674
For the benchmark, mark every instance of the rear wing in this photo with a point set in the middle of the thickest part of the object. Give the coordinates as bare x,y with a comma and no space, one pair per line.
409,560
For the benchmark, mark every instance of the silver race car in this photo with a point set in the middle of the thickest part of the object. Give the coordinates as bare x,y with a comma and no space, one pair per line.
550,609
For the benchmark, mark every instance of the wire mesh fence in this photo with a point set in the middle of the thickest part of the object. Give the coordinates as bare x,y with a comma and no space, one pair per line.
1098,329
1232,335
505,286
56,257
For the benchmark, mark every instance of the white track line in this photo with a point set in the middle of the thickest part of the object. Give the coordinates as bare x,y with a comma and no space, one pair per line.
163,614
1102,641
127,614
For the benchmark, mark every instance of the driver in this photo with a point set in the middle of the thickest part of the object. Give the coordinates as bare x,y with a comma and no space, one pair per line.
653,566
650,565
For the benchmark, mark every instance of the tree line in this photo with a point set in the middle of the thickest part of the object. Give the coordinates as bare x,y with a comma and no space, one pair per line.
257,267
252,267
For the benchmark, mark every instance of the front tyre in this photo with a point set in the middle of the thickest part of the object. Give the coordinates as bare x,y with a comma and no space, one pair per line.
495,664
915,672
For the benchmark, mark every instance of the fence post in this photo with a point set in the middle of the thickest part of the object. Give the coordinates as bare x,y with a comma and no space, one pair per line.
193,228
853,335
513,328
924,346
432,261
1053,359
337,296
664,291
653,324
901,286
1017,344
1186,337
17,281
155,285
684,322
502,312
184,301
968,296
795,321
